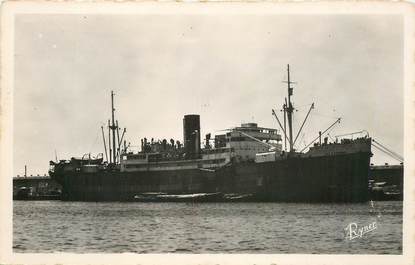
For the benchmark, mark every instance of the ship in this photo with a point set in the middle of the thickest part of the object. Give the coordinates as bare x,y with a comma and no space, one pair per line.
246,163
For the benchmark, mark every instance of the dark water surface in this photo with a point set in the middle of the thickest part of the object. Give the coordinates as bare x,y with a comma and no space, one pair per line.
55,226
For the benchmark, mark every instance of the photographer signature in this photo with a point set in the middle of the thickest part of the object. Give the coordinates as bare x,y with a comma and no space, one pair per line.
354,231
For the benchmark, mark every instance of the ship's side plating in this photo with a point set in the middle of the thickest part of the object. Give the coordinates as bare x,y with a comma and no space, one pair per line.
339,176
323,175
123,186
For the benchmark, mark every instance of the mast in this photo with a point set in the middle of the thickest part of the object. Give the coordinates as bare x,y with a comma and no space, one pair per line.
289,110
113,129
284,107
109,142
118,141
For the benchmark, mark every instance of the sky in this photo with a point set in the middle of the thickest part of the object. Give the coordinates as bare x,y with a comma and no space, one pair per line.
227,68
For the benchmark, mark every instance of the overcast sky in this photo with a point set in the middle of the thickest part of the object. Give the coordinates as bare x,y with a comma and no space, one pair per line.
227,68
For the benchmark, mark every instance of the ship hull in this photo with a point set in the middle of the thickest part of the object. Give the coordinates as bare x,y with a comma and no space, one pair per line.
123,186
337,178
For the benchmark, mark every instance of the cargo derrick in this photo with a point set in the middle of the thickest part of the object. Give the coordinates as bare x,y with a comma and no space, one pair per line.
333,172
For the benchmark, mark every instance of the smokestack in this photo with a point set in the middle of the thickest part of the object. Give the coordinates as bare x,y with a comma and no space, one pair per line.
191,135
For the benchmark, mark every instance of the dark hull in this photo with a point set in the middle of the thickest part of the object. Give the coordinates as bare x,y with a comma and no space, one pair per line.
123,186
339,178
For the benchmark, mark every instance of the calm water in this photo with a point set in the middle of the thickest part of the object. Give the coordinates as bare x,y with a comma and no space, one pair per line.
54,226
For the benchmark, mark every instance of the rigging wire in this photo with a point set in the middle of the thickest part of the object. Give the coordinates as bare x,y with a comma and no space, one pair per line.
95,141
397,157
303,107
388,149
387,152
325,116
384,151
303,137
